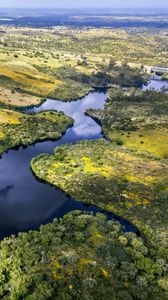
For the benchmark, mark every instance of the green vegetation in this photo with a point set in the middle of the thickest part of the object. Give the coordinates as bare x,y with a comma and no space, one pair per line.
112,178
136,119
81,257
112,175
22,129
70,90
75,61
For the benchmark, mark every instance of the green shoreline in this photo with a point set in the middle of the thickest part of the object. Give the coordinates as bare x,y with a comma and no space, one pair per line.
30,138
67,184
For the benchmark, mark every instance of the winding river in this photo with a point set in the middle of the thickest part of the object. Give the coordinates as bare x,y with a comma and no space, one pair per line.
25,202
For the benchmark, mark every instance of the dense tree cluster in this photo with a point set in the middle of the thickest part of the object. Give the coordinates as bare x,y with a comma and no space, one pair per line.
81,256
133,109
105,76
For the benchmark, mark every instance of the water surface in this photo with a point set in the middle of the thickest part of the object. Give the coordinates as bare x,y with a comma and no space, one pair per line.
157,84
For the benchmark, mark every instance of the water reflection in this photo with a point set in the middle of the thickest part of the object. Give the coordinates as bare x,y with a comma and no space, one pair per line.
84,127
156,84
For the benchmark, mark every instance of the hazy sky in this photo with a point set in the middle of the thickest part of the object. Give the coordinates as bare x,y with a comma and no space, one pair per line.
85,3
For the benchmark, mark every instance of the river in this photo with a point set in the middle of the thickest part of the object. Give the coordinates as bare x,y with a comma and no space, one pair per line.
25,202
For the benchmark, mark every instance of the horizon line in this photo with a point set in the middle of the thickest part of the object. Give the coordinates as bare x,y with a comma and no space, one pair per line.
75,8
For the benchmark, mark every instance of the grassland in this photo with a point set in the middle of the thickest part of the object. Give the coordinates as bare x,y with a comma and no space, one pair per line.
152,141
65,63
137,120
22,129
